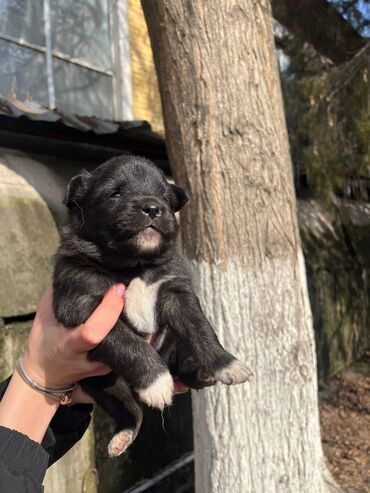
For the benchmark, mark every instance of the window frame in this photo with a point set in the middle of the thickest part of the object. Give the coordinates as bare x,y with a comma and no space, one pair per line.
120,53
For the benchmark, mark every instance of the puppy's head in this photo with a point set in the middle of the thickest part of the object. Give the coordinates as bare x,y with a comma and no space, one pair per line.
126,206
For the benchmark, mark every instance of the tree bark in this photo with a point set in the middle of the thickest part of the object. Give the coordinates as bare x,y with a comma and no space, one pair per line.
228,147
319,23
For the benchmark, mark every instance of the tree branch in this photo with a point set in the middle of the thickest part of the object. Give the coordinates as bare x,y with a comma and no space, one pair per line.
318,23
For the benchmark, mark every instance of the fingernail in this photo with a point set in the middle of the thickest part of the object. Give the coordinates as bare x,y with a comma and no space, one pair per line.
120,289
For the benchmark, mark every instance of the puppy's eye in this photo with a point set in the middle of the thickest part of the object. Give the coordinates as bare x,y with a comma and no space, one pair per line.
115,195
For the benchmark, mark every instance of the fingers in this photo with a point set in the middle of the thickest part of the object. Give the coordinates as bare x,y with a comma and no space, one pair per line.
179,387
103,319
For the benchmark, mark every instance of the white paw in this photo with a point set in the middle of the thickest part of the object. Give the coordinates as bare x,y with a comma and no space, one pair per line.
120,442
235,372
159,393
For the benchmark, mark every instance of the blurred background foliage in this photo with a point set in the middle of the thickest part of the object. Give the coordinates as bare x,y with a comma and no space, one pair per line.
327,97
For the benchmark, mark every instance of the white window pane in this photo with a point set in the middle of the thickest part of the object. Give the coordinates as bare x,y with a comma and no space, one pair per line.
80,29
22,19
22,73
81,91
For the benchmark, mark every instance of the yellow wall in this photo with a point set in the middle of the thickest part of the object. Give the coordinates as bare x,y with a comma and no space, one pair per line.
145,92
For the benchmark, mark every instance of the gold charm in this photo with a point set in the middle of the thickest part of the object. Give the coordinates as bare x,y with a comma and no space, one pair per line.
66,399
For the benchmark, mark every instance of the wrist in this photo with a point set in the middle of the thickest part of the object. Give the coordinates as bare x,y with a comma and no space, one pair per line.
61,394
42,372
24,409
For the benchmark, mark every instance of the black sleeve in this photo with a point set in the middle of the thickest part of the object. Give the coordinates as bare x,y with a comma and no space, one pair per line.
23,463
17,451
66,428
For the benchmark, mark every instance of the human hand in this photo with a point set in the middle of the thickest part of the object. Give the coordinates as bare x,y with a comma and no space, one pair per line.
56,356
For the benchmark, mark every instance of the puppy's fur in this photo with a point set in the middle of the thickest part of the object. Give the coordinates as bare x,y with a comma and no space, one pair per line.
123,229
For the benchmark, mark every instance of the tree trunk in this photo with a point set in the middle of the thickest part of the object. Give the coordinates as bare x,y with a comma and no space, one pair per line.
228,147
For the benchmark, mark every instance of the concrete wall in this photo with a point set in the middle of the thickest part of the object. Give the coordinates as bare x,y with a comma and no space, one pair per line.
336,246
28,239
31,190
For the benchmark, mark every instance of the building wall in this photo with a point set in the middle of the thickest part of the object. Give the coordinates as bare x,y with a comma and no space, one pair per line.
31,209
145,92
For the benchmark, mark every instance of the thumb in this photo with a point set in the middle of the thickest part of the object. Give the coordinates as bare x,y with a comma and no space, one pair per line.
103,319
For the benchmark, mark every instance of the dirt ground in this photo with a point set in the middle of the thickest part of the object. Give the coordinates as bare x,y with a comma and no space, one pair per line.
345,427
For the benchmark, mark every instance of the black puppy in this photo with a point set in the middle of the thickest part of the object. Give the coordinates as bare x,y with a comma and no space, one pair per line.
123,229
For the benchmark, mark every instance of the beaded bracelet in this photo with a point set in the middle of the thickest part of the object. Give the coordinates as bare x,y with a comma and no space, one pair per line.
63,395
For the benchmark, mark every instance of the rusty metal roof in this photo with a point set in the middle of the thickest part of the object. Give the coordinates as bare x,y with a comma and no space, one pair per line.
28,126
32,110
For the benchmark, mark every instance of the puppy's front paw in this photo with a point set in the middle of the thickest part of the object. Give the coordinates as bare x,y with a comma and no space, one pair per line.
159,393
120,442
235,372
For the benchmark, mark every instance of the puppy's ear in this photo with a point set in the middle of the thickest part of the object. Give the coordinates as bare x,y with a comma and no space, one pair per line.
180,197
75,190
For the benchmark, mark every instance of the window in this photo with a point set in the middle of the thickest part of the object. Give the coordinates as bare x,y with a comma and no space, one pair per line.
66,54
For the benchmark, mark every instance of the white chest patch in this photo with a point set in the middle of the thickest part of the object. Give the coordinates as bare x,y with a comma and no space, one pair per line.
140,301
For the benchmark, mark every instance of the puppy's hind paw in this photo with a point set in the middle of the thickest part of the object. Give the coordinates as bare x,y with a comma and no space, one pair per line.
120,443
235,372
159,393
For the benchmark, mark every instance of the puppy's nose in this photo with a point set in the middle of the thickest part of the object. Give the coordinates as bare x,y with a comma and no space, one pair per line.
151,210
